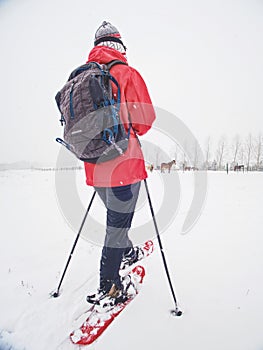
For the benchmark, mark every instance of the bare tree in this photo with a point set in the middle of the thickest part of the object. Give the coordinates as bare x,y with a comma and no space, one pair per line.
174,150
221,152
207,153
157,159
236,148
242,154
185,154
196,155
248,150
258,150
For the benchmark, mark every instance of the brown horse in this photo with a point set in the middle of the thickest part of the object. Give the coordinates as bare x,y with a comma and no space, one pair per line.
167,166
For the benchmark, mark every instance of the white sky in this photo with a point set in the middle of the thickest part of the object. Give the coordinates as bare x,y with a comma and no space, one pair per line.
202,60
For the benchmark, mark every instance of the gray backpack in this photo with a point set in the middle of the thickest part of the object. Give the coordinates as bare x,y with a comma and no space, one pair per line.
93,130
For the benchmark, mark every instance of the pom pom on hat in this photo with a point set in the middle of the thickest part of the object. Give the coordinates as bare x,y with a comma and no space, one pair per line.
107,30
107,33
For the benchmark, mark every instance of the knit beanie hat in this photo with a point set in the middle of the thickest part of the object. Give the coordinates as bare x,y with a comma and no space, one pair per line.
108,35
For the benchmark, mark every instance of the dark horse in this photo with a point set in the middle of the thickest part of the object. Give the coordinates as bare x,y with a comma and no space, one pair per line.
167,166
239,168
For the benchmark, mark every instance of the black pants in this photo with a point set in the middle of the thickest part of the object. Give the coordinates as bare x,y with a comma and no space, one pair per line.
120,203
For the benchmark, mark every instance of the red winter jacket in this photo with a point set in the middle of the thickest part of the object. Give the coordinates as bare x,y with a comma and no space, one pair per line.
130,167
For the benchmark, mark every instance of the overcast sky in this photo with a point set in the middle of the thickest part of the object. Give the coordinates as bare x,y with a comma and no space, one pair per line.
201,60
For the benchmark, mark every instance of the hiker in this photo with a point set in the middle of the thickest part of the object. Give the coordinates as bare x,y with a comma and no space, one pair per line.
118,181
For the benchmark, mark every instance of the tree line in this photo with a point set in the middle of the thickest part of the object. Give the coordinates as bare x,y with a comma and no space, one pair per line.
221,155
247,152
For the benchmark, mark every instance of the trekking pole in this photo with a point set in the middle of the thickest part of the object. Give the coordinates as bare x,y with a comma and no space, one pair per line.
56,294
176,311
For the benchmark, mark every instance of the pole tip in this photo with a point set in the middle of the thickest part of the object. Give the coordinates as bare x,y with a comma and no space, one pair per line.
54,294
176,312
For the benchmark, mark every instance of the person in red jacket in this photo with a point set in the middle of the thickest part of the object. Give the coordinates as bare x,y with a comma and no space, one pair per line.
117,181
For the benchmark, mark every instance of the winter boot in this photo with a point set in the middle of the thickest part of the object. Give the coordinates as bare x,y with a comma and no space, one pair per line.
109,294
136,254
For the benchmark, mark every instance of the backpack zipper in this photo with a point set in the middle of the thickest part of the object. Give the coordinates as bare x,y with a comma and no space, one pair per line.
72,115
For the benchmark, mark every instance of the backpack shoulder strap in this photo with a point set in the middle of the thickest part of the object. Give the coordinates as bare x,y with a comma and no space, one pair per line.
109,66
78,70
83,68
87,66
113,63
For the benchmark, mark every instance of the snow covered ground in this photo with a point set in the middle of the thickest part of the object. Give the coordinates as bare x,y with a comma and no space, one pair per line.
217,269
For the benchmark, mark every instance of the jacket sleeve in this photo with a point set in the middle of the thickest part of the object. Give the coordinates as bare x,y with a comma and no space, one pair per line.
140,108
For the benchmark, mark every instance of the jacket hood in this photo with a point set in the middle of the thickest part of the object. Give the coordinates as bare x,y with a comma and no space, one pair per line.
104,54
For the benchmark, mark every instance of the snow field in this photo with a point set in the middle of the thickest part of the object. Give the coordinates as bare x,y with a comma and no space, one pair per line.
216,269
